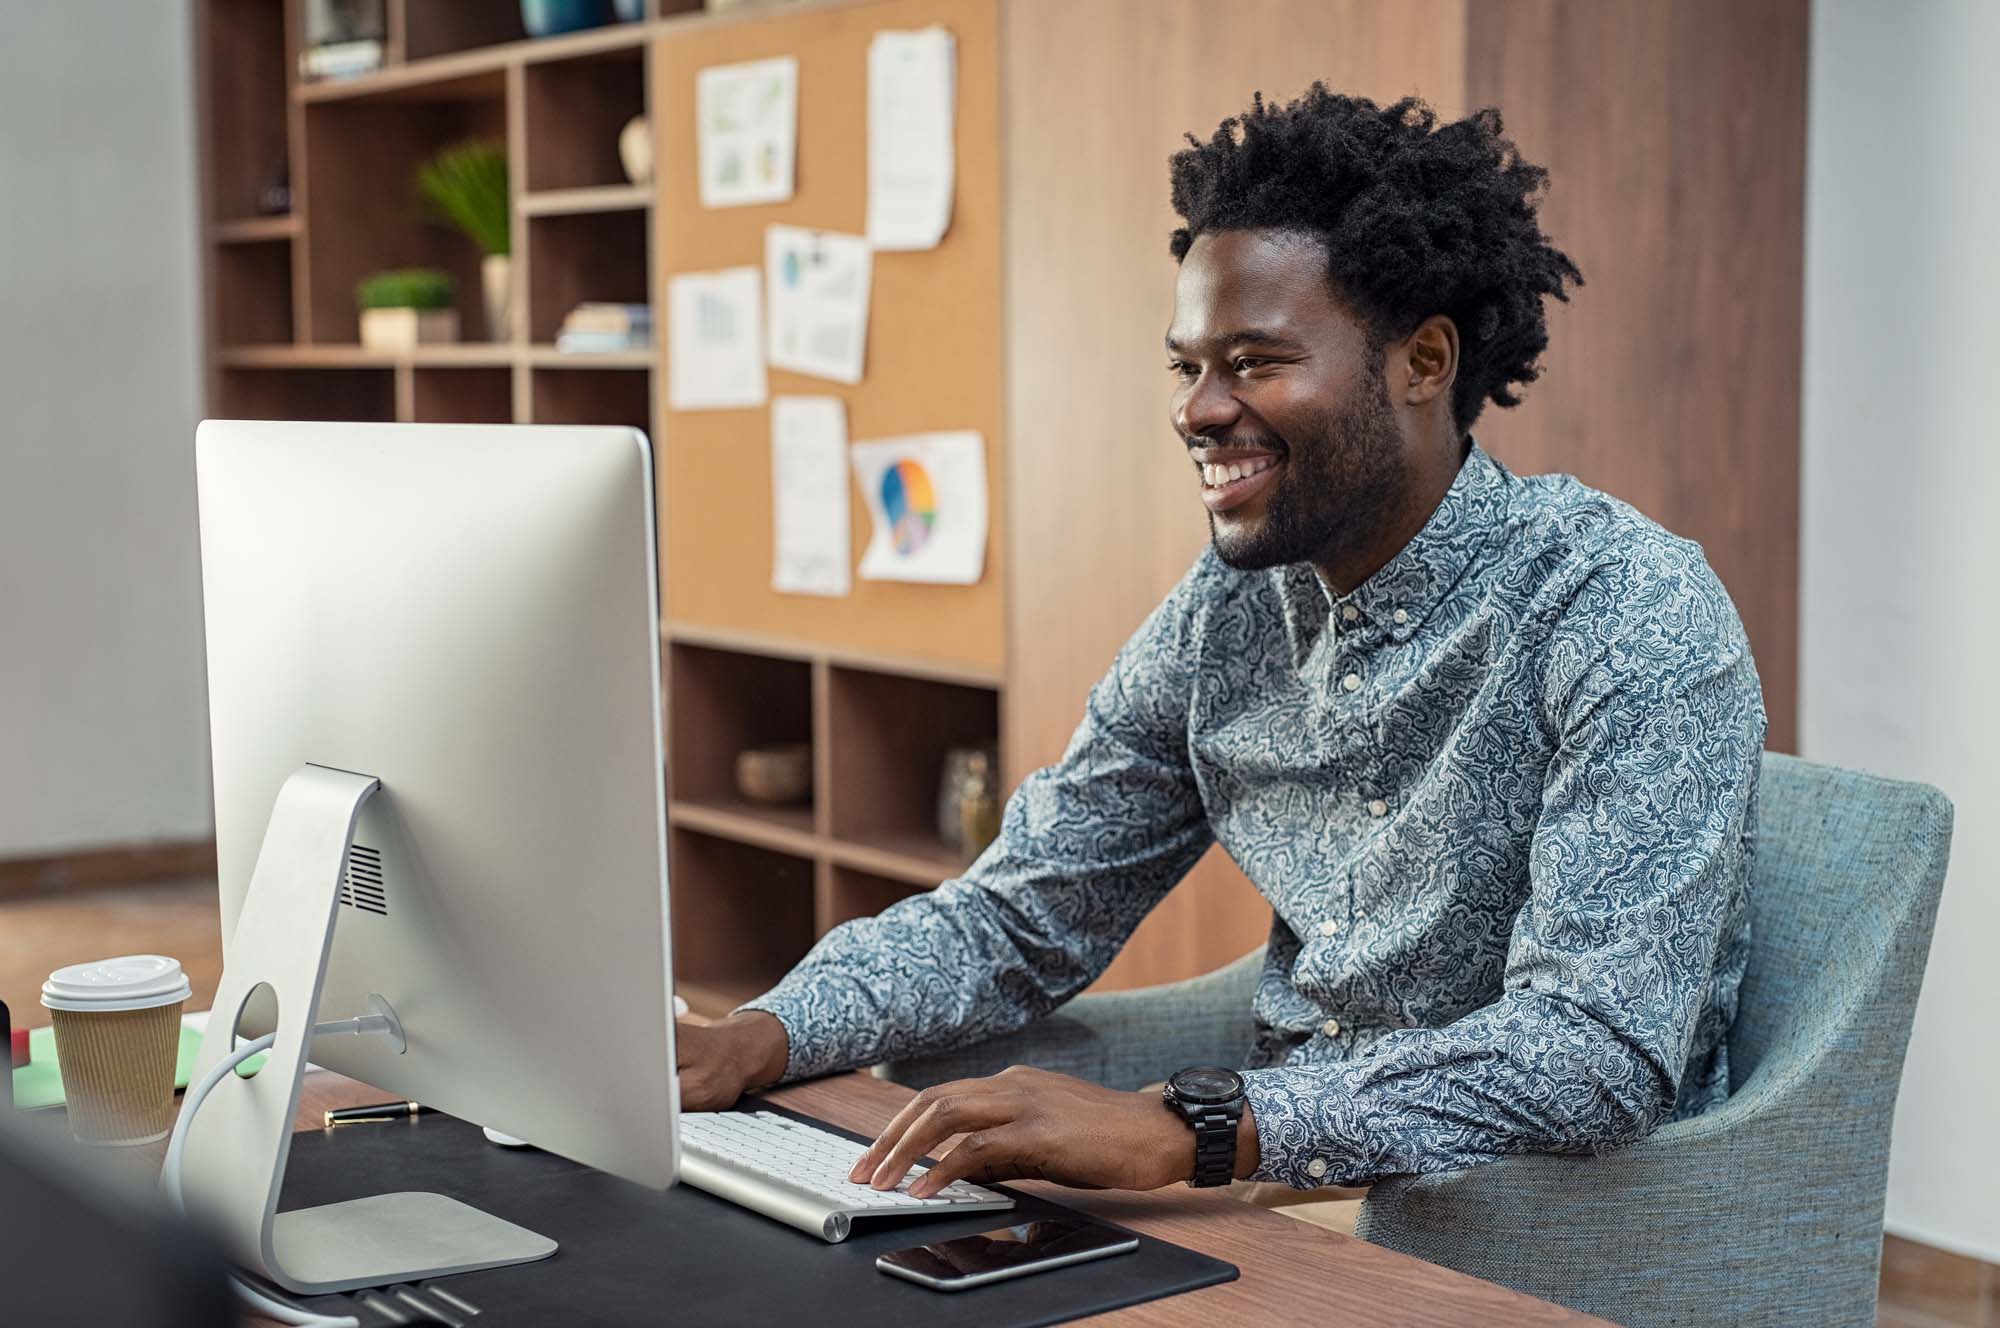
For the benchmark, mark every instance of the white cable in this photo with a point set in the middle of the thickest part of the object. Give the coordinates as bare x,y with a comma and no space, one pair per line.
170,1181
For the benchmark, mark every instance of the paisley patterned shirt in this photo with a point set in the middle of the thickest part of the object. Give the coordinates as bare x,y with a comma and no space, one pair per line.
1502,801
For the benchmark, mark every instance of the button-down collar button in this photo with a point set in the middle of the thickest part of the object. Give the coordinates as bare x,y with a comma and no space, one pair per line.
1402,616
1378,808
1316,1168
1349,613
1352,682
1328,927
1331,1028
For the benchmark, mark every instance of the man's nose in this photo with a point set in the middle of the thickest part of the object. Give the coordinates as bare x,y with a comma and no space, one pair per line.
1208,408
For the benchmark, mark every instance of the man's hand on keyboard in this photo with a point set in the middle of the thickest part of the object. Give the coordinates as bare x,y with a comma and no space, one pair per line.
1031,1123
720,1061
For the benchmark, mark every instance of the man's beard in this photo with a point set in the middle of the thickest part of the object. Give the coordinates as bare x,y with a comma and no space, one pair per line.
1339,485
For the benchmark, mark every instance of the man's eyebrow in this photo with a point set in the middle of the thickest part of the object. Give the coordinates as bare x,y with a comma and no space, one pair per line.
1247,336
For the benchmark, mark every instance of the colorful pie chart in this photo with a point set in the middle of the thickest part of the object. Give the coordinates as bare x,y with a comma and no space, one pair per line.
910,503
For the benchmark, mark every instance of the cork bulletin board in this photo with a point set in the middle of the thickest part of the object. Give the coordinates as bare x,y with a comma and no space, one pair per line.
934,335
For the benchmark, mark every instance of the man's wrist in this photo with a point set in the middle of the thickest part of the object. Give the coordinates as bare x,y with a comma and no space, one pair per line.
1249,1153
764,1046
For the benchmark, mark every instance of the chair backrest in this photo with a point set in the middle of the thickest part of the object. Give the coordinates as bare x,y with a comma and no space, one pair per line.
1848,872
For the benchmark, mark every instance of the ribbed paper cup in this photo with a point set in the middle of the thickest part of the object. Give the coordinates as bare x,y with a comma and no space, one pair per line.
118,1034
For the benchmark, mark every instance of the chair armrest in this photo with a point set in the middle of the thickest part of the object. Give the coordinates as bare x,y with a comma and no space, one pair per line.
1122,1039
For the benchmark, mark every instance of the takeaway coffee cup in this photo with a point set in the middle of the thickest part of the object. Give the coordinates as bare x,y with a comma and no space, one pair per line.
118,1033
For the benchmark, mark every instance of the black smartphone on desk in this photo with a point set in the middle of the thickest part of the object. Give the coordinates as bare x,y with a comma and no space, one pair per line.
1004,1252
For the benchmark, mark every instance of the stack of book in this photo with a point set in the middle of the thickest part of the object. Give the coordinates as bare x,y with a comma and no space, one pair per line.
340,59
593,328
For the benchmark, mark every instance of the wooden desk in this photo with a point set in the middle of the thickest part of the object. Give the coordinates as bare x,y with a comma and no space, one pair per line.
1293,1273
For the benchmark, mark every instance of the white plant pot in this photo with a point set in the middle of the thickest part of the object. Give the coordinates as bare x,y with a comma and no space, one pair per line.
496,282
388,331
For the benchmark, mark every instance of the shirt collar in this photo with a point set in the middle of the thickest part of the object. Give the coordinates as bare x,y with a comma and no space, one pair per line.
1410,585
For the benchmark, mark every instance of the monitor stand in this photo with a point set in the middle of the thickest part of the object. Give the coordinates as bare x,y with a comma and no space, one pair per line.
238,1144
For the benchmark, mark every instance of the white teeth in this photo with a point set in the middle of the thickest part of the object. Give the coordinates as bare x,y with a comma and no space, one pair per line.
1214,475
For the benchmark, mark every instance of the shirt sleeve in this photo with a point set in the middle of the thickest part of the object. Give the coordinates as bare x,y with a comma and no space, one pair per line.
1086,848
1637,875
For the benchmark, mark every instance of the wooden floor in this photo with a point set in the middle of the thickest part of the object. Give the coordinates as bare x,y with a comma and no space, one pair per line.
1921,1287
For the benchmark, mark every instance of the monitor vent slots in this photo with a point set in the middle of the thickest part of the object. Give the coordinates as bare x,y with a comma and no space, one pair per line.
361,886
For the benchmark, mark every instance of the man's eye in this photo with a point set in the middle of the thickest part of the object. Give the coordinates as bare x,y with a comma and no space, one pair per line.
1180,368
1247,363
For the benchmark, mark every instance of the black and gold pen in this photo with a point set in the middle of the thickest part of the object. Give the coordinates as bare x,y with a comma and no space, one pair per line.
380,1111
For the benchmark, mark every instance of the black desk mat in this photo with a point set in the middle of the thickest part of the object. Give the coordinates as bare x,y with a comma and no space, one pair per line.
630,1255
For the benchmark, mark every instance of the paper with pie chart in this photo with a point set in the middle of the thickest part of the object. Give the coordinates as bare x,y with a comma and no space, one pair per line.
927,496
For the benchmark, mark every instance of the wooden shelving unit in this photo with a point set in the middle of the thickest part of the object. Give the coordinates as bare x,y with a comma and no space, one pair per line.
753,886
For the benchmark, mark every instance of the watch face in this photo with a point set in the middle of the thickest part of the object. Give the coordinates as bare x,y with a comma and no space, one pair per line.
1205,1084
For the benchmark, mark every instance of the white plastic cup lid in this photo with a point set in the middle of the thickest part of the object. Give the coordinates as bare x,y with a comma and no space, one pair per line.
130,982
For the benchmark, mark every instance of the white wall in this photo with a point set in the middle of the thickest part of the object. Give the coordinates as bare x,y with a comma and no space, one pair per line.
1901,523
103,723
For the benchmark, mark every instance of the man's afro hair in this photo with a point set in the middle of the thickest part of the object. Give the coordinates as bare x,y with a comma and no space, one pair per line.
1417,219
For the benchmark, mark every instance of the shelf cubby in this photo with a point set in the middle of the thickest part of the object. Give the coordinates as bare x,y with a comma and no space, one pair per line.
888,738
742,916
253,293
722,701
245,88
579,256
586,395
846,893
462,396
575,110
306,394
363,213
444,27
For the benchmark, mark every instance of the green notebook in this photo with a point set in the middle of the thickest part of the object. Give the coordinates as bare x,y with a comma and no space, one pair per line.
39,1083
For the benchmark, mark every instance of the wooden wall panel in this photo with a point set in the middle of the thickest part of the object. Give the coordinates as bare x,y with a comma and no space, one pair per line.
1107,517
1675,139
933,341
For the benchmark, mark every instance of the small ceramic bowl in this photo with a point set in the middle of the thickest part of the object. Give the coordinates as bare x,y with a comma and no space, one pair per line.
776,775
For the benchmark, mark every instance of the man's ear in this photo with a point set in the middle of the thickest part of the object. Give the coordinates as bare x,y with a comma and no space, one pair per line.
1431,356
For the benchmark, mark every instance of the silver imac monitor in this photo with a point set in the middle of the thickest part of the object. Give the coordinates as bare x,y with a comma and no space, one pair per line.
434,691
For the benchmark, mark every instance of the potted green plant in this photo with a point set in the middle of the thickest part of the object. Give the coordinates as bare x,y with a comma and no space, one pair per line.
465,186
407,307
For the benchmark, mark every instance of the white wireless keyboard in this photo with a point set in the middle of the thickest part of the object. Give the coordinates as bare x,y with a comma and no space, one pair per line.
796,1174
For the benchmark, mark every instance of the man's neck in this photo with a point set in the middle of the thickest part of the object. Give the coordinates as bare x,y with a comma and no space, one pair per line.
1430,479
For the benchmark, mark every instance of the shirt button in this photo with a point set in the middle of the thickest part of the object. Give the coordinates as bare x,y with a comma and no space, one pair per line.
1316,1168
1328,927
1352,682
1331,1028
1378,808
1350,613
1401,617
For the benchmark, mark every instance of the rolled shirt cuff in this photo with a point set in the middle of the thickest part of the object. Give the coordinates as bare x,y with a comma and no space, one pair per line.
1307,1134
800,1061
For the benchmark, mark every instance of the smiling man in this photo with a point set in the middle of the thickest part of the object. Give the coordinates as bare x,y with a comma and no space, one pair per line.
1488,744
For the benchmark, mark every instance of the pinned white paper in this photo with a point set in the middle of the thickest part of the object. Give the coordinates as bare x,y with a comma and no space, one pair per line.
813,553
927,494
818,291
715,342
912,79
747,131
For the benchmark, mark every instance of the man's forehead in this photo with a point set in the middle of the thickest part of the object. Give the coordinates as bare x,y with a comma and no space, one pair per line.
1259,285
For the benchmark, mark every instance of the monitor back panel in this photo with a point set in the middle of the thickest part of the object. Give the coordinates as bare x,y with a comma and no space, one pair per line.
468,613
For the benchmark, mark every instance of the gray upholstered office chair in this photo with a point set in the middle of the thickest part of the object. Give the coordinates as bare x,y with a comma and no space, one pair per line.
1764,1211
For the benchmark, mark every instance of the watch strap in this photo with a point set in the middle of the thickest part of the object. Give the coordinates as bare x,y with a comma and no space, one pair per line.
1214,1142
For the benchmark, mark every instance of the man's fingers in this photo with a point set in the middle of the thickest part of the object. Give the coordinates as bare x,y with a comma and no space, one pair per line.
987,1155
866,1165
943,1118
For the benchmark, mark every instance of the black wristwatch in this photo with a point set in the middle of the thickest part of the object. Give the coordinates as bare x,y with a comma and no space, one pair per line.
1210,1100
